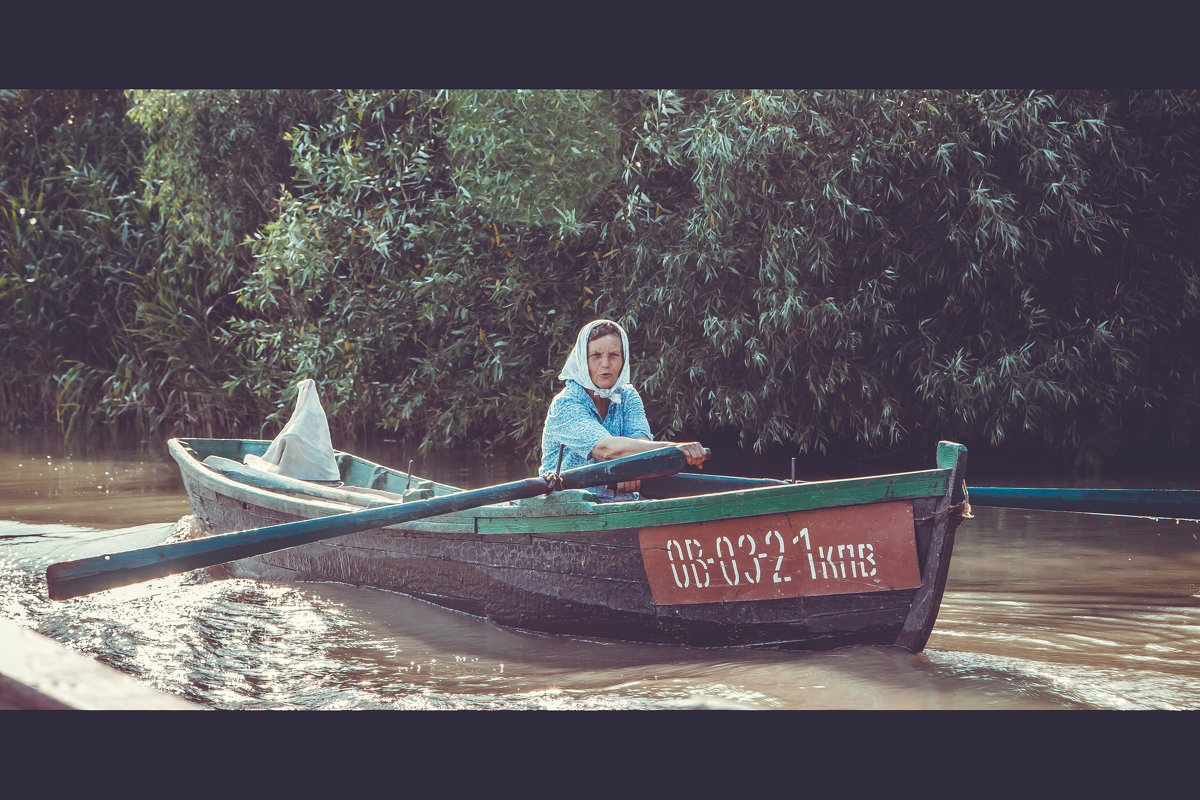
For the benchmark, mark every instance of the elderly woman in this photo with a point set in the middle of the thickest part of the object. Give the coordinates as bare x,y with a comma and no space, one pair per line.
599,415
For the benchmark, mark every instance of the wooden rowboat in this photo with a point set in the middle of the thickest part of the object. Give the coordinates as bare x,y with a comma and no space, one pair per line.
702,560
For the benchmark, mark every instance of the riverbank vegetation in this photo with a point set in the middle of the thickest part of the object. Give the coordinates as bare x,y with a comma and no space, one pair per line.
826,271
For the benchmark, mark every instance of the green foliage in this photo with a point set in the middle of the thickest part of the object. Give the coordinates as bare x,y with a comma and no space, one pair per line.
535,157
845,270
415,310
214,170
74,247
872,267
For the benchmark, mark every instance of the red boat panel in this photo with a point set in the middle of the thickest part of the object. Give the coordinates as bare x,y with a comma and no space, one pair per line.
867,548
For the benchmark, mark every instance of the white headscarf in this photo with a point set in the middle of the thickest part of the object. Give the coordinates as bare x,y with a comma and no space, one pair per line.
576,368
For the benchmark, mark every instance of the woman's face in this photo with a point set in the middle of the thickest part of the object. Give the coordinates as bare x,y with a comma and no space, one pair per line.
605,360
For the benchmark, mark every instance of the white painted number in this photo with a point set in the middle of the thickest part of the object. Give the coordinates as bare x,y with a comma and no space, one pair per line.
690,568
779,561
691,562
745,537
737,578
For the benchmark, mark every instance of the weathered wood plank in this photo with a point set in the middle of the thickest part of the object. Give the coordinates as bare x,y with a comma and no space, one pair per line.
282,483
945,518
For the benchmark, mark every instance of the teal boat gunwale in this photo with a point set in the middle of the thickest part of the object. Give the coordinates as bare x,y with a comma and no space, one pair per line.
571,512
726,505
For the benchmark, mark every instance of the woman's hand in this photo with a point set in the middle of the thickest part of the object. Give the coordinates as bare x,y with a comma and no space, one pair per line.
694,452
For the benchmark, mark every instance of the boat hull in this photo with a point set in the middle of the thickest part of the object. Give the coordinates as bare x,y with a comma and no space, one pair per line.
521,565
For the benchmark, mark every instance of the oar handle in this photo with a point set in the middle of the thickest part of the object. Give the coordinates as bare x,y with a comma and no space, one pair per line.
87,575
666,460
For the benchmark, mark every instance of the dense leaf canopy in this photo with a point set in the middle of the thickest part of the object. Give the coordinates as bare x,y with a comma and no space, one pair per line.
826,270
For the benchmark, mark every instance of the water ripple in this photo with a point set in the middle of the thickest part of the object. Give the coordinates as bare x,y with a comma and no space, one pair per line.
236,643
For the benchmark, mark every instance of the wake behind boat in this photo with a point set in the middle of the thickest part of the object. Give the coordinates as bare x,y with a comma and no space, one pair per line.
702,560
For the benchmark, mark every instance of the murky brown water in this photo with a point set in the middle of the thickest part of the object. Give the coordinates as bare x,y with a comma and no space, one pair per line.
1043,610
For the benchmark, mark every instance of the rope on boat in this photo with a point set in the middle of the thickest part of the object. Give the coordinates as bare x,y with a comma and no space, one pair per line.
963,509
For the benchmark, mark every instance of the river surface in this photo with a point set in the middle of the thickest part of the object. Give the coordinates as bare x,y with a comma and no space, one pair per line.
1043,610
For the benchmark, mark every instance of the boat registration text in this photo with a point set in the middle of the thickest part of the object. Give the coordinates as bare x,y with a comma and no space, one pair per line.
868,548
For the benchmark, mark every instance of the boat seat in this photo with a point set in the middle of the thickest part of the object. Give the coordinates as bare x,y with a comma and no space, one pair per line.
422,491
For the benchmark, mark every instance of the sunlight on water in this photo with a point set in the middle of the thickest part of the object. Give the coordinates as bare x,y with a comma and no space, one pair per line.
1088,650
241,644
1042,611
1077,686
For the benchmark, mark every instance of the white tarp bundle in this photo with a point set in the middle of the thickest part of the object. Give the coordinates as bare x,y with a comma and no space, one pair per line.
303,448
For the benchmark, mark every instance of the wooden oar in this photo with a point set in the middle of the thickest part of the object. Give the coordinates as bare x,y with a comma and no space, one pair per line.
1169,503
87,575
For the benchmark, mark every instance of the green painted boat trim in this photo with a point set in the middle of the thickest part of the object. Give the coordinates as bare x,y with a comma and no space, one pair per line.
571,511
727,505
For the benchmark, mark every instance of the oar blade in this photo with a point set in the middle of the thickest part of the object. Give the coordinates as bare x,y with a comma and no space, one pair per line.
77,578
96,573
1168,503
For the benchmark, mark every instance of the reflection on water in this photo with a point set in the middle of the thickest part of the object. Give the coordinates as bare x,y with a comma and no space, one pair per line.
1042,611
1091,654
102,485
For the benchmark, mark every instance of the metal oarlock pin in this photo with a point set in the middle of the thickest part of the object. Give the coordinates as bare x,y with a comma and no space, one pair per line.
554,479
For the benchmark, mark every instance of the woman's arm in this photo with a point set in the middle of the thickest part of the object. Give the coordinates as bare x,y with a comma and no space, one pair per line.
619,446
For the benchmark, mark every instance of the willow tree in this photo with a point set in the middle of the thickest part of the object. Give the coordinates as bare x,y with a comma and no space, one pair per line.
821,270
215,165
850,269
423,269
880,268
74,244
